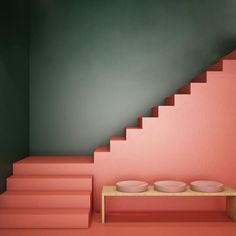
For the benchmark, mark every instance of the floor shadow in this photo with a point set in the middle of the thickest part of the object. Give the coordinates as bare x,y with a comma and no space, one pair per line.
168,217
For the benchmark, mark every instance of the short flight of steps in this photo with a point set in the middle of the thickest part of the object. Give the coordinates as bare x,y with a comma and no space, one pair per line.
46,201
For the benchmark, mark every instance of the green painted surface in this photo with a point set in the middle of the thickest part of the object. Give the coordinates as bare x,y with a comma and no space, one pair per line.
14,84
97,65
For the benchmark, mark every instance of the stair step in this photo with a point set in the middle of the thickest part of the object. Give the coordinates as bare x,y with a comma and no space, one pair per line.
44,218
155,111
216,67
49,183
57,159
229,66
53,165
133,128
117,142
200,78
149,122
45,199
170,101
118,138
215,75
230,56
166,111
219,66
186,89
103,149
132,132
140,122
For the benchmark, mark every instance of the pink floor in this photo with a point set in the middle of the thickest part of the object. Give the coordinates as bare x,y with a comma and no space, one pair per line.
129,224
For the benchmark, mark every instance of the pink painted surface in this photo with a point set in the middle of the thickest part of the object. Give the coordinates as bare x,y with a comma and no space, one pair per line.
166,224
132,186
50,183
207,186
45,199
61,160
170,186
44,218
194,139
191,137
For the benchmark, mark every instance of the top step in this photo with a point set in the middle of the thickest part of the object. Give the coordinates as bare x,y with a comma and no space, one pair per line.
54,165
57,159
230,56
219,65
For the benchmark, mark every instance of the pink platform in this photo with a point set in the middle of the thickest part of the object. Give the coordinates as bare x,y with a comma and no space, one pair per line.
170,186
207,186
48,201
132,186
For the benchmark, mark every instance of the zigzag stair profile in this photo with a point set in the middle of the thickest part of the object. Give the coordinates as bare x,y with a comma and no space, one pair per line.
47,201
185,139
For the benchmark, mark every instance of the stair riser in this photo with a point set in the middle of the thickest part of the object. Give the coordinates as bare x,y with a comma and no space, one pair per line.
216,67
185,89
116,145
200,78
45,184
229,66
78,221
45,201
52,169
170,101
132,133
154,111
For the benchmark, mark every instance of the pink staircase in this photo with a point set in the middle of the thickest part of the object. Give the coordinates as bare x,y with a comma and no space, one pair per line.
191,137
47,201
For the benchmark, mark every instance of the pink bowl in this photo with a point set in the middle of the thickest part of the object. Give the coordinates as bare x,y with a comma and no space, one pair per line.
170,186
207,186
132,186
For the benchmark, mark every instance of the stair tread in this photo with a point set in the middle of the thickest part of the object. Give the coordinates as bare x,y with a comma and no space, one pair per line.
102,149
56,159
117,138
227,59
231,55
45,211
82,192
50,177
133,128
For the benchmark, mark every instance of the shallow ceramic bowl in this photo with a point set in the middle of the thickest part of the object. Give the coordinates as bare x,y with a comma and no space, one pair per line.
207,186
170,186
132,186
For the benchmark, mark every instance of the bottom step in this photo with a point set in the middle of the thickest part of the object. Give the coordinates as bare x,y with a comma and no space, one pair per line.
44,218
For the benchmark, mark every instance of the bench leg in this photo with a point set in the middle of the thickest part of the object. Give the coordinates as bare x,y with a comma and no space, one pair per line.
103,208
231,207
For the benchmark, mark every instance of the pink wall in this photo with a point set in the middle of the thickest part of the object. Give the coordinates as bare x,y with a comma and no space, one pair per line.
194,139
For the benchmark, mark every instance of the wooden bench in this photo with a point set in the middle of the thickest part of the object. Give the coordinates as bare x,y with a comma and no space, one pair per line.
229,193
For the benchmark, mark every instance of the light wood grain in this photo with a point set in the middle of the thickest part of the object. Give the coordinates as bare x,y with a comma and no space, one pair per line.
103,208
111,191
228,192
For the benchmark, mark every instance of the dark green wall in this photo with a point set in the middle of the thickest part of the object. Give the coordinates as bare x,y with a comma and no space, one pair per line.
14,84
97,65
